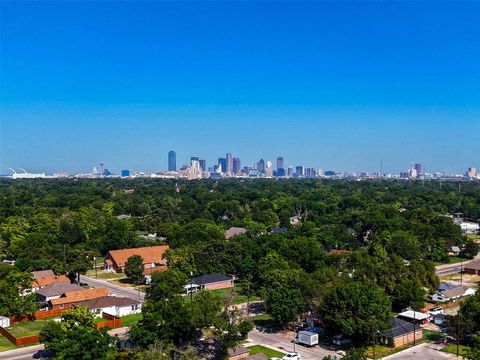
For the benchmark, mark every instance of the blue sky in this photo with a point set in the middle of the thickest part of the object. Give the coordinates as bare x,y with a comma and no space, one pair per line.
336,85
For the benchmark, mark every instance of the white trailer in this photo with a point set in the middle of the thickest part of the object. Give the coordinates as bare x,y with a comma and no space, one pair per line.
307,338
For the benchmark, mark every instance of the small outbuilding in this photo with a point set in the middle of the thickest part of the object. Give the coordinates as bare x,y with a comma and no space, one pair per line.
401,333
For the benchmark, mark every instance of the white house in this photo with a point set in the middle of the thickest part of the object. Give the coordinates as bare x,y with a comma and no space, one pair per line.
453,293
112,305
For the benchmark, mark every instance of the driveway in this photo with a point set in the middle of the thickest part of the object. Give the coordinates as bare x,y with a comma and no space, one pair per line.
427,351
114,289
279,341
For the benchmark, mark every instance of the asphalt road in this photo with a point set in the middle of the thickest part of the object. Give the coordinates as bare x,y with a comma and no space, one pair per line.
280,342
114,289
425,351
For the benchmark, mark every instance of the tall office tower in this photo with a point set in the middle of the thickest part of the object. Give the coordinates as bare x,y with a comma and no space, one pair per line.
195,157
290,171
203,165
222,162
280,163
172,161
472,172
269,169
418,168
261,166
229,169
237,167
299,171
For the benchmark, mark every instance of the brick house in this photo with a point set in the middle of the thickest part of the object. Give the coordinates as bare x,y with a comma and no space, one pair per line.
152,256
401,333
212,282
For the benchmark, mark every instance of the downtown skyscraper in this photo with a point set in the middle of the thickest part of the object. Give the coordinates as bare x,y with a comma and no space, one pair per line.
172,161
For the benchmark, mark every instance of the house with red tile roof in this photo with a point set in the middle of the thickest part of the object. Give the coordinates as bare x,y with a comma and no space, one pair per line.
73,298
152,256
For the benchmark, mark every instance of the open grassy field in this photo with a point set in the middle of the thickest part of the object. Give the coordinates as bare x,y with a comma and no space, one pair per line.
100,274
28,328
269,353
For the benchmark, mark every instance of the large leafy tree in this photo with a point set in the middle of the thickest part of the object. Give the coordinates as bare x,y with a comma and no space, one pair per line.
134,269
16,299
76,337
356,309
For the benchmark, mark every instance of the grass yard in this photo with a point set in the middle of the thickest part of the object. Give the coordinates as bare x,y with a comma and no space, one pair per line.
28,328
234,292
269,353
456,259
100,320
452,349
264,320
131,320
5,344
433,335
105,275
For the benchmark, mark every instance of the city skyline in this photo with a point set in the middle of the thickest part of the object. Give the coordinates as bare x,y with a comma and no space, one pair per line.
319,83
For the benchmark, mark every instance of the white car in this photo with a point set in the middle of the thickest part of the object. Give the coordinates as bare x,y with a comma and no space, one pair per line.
292,356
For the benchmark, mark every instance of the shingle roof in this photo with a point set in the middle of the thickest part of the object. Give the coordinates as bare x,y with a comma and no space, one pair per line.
279,230
239,350
107,301
149,254
446,286
474,265
258,356
149,271
456,291
80,295
234,231
210,278
58,288
42,273
400,327
44,281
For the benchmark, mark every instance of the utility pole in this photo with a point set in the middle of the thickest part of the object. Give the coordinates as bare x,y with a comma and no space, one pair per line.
458,332
191,288
96,270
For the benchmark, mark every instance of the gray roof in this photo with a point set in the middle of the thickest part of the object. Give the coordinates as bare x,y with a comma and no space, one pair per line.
446,286
210,278
58,288
474,265
258,356
233,231
400,327
107,301
456,291
279,230
239,350
42,273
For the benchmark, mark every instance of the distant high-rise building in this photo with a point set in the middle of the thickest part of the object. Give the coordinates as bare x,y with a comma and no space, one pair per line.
261,166
229,169
269,169
290,171
236,166
222,162
299,171
125,173
418,168
472,172
172,161
195,157
280,163
203,165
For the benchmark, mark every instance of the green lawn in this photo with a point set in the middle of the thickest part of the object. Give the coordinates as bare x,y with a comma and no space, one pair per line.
264,320
5,344
452,349
456,259
28,328
105,275
131,320
433,335
234,292
255,349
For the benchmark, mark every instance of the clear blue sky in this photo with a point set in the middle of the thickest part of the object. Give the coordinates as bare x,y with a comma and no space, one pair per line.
335,85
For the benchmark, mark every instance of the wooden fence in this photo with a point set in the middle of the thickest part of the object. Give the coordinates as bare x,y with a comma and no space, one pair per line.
112,321
21,341
41,314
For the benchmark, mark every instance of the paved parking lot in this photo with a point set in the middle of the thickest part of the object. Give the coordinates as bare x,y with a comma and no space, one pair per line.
284,343
425,351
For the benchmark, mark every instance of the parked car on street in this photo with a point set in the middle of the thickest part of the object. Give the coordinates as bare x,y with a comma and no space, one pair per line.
292,356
